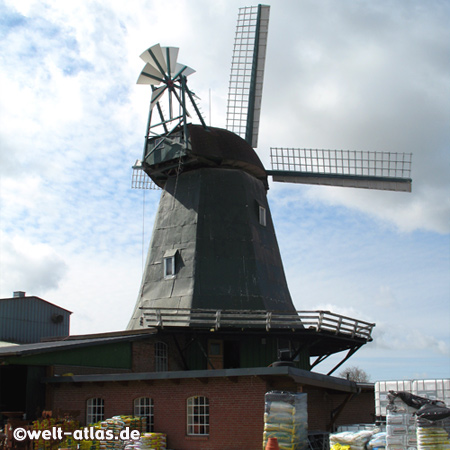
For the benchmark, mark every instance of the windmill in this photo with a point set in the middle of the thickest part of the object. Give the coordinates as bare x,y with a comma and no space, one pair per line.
213,246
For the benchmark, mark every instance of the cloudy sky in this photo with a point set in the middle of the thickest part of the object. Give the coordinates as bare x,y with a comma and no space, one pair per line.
340,74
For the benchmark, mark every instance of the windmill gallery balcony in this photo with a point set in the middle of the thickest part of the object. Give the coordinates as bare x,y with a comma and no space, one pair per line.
294,336
309,321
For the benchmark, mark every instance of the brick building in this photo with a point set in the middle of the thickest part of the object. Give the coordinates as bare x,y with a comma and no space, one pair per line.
199,407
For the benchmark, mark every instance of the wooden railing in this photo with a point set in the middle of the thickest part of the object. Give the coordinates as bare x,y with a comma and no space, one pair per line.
301,320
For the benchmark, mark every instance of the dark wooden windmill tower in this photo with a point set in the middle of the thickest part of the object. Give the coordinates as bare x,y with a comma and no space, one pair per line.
213,261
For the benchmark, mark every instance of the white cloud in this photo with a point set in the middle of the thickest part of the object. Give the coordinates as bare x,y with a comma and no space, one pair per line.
399,337
29,266
385,298
427,208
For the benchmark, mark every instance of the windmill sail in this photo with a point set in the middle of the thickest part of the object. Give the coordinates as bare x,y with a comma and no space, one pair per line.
247,73
367,170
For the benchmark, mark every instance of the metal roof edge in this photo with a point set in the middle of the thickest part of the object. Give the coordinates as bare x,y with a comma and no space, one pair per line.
121,333
50,346
320,380
298,375
37,298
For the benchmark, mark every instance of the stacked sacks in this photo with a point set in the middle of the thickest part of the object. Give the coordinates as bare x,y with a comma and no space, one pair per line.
135,423
116,425
401,420
433,425
44,424
71,443
154,441
417,413
286,418
142,424
435,438
351,440
432,435
377,441
67,426
88,445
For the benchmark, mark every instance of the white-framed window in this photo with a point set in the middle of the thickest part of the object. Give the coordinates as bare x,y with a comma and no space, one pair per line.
143,407
198,416
161,357
95,410
262,215
169,267
169,263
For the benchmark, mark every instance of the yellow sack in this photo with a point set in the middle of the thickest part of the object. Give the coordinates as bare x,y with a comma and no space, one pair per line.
340,447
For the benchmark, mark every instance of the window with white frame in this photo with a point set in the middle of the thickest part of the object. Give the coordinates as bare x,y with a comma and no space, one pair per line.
262,215
161,357
169,267
198,416
143,407
95,410
169,263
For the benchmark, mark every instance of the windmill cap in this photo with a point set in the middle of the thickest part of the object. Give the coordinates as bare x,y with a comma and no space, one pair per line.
222,148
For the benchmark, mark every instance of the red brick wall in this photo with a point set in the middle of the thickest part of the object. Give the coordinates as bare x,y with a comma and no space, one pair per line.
144,354
321,403
236,409
360,409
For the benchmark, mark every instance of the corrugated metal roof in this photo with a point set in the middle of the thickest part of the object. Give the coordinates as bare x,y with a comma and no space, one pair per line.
47,347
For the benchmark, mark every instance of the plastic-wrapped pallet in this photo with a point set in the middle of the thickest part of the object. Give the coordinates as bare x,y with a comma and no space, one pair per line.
400,430
430,389
354,440
286,418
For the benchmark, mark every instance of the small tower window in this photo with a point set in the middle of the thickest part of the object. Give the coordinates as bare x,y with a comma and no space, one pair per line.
161,357
262,215
169,267
169,263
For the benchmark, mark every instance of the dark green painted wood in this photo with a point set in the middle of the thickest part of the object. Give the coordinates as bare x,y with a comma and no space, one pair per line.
253,351
258,352
195,356
161,151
